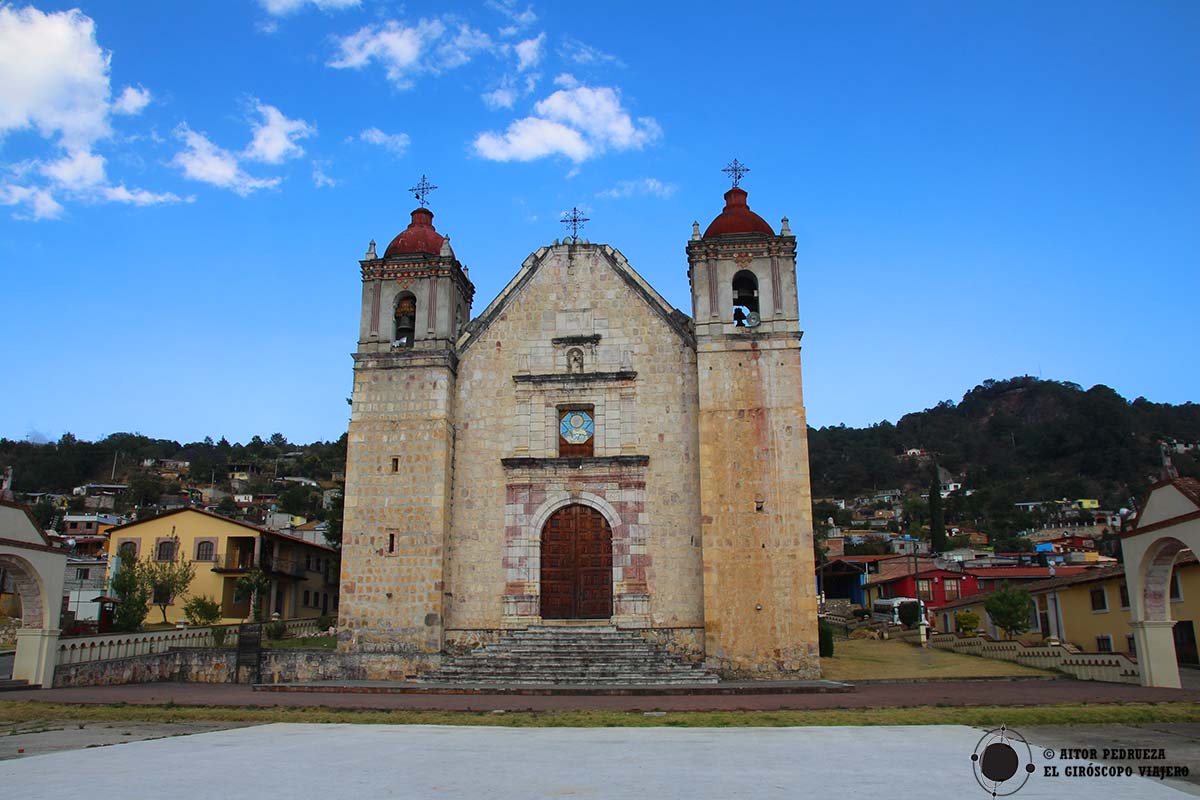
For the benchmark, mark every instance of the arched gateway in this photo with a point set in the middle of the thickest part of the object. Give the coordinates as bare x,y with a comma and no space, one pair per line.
36,570
577,573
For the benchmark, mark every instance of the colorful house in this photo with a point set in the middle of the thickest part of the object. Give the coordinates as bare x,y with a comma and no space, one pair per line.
303,574
1090,609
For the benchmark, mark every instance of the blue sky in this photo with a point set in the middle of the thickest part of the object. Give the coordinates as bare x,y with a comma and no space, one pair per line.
978,190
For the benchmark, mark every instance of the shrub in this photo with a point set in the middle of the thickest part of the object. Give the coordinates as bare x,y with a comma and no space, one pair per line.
219,634
275,629
966,622
325,622
825,637
910,614
202,610
863,633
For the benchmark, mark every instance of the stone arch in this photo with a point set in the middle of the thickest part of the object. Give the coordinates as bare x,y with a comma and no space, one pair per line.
575,578
1153,585
538,520
30,589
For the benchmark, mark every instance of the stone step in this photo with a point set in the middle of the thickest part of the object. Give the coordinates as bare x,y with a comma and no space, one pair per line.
558,655
12,686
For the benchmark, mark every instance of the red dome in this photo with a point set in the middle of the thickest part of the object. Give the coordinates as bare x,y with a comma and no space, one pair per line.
418,237
737,217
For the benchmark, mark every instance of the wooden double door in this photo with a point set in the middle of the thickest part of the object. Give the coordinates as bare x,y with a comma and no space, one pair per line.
577,572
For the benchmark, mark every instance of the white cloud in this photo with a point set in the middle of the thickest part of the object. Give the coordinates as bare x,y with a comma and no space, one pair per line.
578,123
141,197
504,97
203,161
280,8
396,143
581,53
320,179
646,186
529,52
78,169
53,76
532,138
275,137
520,19
132,101
566,80
38,201
54,80
430,46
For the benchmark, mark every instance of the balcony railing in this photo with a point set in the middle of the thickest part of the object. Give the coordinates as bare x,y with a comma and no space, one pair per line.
234,561
283,566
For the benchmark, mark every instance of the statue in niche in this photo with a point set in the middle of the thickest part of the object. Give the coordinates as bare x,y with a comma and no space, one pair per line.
575,361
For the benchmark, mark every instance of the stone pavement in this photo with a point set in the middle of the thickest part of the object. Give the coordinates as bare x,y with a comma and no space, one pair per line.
867,695
506,763
37,738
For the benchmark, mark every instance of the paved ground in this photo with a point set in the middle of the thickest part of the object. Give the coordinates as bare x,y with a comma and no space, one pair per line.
1180,745
503,763
37,738
876,695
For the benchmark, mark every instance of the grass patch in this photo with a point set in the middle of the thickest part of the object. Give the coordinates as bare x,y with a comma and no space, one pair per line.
870,659
1066,714
308,643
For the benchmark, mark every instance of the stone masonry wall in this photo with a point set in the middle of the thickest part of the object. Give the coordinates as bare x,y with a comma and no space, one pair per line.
396,513
576,299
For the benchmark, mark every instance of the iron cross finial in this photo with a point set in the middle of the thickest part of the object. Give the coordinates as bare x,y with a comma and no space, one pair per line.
574,220
736,170
421,191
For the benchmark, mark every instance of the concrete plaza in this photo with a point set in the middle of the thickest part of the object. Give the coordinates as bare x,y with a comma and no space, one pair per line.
369,761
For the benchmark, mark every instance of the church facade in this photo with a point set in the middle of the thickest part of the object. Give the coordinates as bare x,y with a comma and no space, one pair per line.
582,451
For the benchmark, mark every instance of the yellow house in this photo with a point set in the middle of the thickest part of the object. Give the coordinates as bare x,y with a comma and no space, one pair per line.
1091,611
303,574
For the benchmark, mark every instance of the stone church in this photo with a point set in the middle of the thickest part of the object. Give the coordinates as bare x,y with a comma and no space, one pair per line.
581,451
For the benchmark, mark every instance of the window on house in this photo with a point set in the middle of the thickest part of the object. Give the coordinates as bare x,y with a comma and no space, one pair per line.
127,551
745,298
205,551
1129,643
395,463
1176,591
1104,643
307,561
576,432
82,573
72,526
924,591
391,542
953,591
1124,595
406,320
165,551
1099,599
306,597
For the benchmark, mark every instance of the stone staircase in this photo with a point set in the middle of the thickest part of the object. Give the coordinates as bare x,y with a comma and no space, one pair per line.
7,685
560,655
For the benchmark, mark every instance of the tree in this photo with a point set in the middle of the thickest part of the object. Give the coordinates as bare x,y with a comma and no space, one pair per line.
910,614
227,507
967,622
937,525
45,513
1010,608
253,586
134,597
166,580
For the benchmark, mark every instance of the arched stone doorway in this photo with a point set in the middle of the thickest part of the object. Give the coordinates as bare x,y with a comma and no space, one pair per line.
1169,524
576,565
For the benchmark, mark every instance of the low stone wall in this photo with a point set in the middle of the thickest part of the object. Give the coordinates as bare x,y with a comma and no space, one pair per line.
1109,667
683,643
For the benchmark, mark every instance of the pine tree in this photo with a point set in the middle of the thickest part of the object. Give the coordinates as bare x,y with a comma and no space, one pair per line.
937,526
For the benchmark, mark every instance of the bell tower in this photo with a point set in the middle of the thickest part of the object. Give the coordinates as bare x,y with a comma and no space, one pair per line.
760,613
416,299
